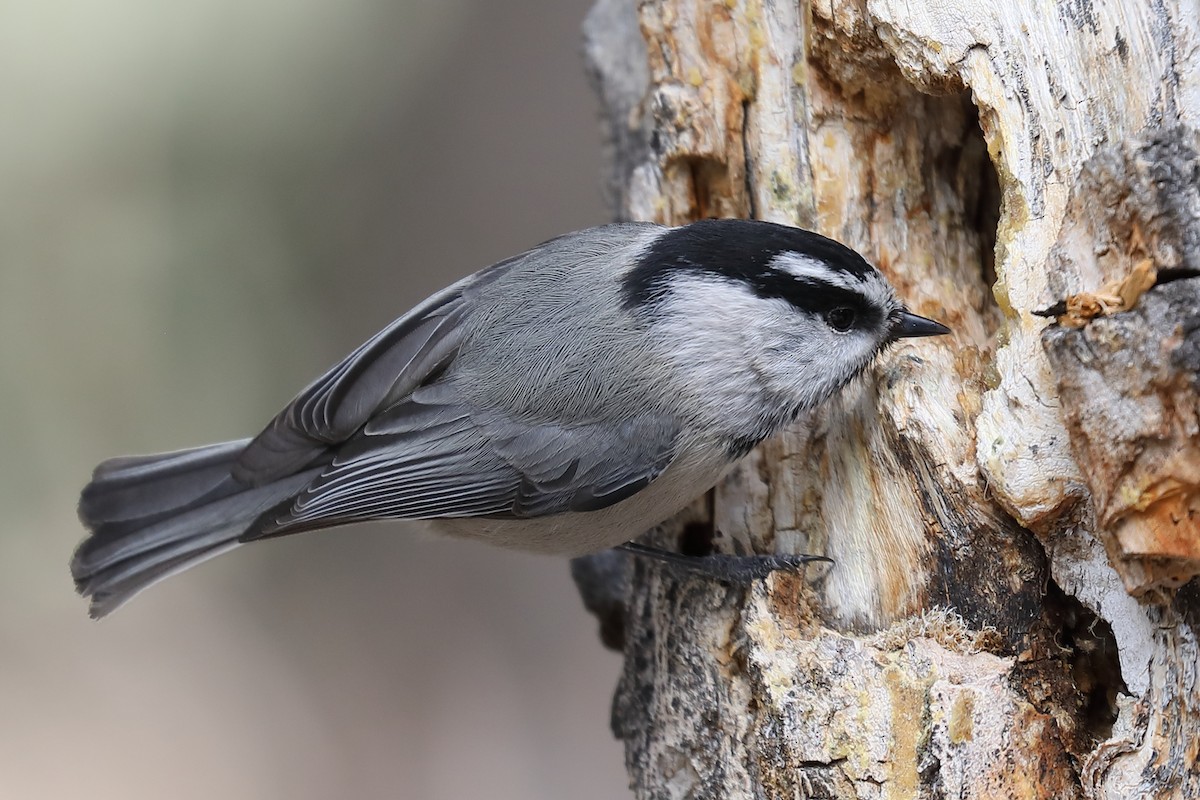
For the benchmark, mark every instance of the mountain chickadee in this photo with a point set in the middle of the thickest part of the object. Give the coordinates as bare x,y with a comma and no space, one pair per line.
562,401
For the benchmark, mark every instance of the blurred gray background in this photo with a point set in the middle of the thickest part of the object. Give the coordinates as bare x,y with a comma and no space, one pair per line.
203,204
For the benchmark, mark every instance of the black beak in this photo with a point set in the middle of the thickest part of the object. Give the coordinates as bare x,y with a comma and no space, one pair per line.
907,325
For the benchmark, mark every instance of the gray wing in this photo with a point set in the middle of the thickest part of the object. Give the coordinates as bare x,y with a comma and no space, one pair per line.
382,370
431,457
400,358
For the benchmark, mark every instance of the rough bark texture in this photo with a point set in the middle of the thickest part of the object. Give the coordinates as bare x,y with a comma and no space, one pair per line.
1014,514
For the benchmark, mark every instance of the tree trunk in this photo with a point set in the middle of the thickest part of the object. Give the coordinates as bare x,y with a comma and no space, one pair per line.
1014,511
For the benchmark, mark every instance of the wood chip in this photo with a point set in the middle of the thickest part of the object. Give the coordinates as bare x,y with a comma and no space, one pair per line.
1114,298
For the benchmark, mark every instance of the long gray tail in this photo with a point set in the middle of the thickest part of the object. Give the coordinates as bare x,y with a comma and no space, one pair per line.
153,516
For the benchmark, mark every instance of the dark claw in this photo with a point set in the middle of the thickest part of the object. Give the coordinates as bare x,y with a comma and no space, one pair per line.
733,569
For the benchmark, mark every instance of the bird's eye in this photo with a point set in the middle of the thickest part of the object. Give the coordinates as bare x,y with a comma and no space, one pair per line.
841,319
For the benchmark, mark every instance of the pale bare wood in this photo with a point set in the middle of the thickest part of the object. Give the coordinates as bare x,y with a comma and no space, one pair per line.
977,636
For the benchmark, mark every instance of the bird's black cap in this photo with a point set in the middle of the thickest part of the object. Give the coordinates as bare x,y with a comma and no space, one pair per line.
742,250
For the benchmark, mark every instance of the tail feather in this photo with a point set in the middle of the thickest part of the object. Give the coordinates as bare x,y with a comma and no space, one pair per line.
153,516
139,487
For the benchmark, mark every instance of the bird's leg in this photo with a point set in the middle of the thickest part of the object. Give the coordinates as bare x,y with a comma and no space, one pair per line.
734,569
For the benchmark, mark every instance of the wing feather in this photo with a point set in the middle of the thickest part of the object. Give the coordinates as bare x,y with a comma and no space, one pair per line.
385,368
416,461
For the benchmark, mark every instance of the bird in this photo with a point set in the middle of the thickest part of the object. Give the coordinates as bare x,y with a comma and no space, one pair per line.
563,401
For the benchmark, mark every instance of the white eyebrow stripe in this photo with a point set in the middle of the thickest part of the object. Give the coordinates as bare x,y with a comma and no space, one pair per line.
873,286
801,266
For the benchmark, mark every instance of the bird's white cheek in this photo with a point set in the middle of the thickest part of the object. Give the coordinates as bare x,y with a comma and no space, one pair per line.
715,333
851,353
790,361
808,367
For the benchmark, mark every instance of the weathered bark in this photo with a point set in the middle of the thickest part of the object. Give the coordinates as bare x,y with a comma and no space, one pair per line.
1014,514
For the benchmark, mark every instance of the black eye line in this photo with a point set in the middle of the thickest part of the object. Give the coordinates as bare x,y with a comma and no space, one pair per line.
809,294
813,295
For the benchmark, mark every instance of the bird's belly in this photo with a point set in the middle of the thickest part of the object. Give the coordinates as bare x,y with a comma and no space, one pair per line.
575,534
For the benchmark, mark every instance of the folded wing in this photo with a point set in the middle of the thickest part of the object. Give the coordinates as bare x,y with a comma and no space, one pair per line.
385,368
432,457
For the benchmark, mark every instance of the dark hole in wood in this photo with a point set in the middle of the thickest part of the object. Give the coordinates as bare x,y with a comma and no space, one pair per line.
696,539
984,215
1093,658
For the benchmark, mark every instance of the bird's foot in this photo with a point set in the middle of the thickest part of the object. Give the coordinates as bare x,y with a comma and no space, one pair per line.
722,567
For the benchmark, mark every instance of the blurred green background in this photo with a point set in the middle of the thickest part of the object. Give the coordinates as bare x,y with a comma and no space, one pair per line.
203,204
